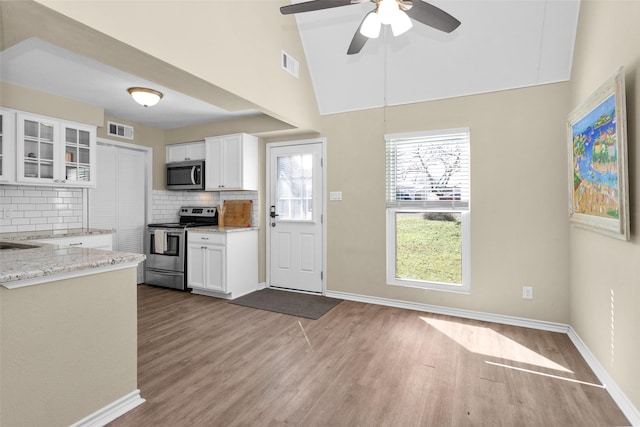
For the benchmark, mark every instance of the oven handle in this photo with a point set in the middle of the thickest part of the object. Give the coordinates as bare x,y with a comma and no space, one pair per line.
168,233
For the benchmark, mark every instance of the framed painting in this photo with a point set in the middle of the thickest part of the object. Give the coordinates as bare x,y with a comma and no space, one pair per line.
597,154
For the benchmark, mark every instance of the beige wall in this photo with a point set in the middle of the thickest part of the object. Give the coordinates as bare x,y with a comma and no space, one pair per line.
235,45
605,272
519,228
68,348
29,100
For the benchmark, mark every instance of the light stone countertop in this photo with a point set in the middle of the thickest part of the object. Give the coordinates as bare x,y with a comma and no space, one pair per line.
52,234
49,262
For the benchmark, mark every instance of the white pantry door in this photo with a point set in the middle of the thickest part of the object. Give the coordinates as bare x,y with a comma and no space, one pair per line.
294,222
118,201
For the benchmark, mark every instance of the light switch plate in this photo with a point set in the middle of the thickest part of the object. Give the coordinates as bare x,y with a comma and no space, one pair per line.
335,195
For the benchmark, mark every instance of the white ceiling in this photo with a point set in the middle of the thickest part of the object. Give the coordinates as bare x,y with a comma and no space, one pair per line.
42,66
499,45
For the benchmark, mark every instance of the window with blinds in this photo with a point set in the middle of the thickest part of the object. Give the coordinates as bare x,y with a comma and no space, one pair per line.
428,170
428,192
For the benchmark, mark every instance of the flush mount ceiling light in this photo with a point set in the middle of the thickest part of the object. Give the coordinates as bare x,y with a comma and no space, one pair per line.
145,96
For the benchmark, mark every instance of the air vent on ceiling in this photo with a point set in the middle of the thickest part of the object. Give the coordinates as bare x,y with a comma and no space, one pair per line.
290,64
122,131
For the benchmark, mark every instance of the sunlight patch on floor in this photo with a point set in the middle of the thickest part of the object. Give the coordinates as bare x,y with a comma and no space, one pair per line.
544,374
486,341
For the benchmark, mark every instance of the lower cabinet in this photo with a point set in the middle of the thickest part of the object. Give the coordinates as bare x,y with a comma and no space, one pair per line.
94,241
222,264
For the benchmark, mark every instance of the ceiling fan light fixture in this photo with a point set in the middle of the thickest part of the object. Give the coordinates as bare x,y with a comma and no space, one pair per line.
371,26
401,23
387,10
145,96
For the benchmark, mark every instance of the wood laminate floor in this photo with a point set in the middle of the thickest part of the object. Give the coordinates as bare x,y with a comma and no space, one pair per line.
204,362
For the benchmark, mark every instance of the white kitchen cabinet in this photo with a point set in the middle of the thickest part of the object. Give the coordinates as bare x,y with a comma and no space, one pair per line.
7,146
223,265
55,152
94,241
185,151
231,163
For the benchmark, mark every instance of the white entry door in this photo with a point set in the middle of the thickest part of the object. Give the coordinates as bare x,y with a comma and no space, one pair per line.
294,222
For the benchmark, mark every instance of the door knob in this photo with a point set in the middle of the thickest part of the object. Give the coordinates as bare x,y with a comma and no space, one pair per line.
272,212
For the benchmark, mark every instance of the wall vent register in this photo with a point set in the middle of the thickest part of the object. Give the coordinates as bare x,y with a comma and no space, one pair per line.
120,130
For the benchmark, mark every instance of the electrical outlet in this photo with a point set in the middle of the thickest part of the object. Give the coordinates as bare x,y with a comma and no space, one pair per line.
527,292
5,213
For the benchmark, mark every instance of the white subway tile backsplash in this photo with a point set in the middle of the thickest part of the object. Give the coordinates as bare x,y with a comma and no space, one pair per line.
166,204
30,208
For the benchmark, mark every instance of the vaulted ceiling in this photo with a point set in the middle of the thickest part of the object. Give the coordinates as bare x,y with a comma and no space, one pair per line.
500,45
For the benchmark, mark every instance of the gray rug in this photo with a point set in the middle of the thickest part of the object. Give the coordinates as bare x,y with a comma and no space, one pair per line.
293,303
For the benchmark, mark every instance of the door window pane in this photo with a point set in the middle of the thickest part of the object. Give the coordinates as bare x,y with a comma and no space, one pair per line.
294,198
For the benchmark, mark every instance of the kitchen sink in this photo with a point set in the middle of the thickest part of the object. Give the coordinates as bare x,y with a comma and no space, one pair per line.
14,245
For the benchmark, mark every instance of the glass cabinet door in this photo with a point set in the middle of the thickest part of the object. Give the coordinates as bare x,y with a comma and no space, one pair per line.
77,158
7,146
55,152
38,139
2,142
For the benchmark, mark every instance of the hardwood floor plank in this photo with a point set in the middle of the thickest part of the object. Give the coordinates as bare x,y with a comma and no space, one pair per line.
204,362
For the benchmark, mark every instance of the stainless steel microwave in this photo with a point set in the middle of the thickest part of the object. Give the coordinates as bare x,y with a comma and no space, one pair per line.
188,175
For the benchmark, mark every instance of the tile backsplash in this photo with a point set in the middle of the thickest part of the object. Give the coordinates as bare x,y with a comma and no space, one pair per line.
32,208
166,203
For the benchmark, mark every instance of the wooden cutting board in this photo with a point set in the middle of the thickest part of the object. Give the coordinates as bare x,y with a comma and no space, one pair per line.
236,213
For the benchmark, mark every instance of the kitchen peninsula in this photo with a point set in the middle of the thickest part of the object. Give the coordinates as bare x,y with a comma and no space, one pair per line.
68,333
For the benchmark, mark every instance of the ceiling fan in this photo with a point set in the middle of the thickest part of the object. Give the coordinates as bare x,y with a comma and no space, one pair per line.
396,13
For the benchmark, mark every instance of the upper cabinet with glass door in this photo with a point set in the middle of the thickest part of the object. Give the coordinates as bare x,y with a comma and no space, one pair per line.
7,145
80,153
55,152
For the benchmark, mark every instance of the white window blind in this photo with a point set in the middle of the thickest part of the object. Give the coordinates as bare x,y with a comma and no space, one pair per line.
428,170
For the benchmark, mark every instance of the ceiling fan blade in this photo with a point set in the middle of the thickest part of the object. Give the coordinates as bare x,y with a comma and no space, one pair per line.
432,16
312,5
358,40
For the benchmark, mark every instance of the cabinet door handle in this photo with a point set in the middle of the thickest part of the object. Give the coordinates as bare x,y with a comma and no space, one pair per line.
204,238
75,244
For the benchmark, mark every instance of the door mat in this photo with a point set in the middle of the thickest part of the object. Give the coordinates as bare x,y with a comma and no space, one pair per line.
285,302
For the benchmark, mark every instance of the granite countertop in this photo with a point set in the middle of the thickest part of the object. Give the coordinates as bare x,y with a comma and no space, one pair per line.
219,229
47,262
52,234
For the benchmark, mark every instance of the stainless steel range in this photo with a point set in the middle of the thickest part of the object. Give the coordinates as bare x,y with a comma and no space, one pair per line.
165,246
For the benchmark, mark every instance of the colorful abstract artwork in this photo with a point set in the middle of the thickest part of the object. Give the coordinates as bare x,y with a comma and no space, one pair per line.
597,160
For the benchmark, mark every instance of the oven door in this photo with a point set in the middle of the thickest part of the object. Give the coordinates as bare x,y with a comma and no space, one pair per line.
172,257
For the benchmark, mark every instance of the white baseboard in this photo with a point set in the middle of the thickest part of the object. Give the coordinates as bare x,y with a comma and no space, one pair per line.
456,312
112,411
616,393
618,396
